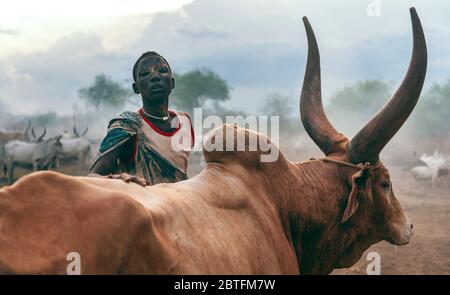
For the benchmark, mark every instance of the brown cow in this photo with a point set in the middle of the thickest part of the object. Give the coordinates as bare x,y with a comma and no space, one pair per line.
238,216
8,136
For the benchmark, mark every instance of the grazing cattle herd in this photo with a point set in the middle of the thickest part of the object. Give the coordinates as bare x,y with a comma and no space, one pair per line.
40,155
29,151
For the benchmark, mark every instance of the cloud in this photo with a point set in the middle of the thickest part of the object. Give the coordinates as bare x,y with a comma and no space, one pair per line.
259,48
96,8
201,31
49,80
265,49
9,32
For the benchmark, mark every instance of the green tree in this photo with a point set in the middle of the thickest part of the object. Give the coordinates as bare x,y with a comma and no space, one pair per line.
351,107
195,87
432,113
365,97
277,105
282,106
104,92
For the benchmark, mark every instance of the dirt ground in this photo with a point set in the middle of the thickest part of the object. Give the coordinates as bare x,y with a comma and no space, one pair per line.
429,250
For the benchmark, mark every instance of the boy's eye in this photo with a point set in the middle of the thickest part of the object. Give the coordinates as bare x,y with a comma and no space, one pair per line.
144,73
162,70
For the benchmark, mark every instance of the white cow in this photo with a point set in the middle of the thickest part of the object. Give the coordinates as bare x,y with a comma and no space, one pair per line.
436,166
37,138
75,134
31,155
78,149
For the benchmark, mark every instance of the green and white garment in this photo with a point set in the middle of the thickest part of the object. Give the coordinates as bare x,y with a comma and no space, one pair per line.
158,156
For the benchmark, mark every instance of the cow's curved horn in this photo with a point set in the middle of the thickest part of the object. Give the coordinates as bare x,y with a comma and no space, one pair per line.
311,109
85,131
371,139
75,131
42,135
32,133
25,134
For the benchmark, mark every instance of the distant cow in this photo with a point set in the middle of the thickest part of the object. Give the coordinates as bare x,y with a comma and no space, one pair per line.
436,166
36,156
38,138
6,137
78,149
426,173
82,134
75,134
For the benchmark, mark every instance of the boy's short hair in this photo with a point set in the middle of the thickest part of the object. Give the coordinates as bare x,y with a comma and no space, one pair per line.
144,55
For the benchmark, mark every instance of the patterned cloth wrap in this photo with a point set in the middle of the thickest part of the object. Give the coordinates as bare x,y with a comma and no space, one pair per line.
148,162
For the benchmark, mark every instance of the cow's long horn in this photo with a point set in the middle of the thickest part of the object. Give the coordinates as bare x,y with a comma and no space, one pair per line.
371,139
42,135
85,131
75,131
25,134
311,109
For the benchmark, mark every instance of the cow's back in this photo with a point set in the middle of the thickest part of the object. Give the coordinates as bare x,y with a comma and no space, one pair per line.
228,228
19,151
46,215
125,228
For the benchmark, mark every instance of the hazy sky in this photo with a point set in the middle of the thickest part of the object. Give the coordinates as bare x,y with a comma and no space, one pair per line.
50,48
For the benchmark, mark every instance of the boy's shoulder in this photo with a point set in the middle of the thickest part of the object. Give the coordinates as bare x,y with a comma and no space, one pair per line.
129,115
127,118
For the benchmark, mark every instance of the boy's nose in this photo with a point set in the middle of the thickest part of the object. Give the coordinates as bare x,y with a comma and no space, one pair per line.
155,78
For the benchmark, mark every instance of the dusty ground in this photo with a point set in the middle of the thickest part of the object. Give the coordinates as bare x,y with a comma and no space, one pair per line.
429,249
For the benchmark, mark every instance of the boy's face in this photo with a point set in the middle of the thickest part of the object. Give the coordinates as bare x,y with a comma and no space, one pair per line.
153,79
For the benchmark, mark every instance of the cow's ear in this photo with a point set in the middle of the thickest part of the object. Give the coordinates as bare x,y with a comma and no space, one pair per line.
361,189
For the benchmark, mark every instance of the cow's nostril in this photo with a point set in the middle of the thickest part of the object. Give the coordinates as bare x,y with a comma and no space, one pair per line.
412,225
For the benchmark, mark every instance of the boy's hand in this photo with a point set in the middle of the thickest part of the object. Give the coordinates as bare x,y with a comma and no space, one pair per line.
130,178
125,177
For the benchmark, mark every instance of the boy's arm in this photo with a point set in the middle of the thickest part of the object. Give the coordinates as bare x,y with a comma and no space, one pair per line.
106,166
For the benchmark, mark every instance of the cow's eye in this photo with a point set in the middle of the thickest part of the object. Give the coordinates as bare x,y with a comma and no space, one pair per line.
386,184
